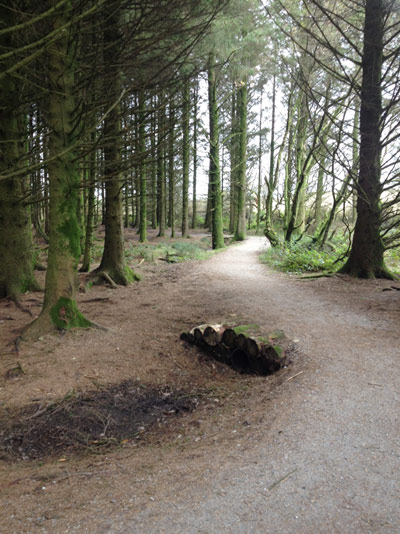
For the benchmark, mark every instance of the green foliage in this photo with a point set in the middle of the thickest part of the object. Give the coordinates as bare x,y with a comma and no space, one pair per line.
392,260
178,251
304,256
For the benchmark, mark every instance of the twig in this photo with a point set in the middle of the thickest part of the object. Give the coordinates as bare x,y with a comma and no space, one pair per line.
294,376
285,477
92,377
314,276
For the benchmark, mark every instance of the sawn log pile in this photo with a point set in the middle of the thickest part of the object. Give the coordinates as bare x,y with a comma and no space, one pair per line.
243,352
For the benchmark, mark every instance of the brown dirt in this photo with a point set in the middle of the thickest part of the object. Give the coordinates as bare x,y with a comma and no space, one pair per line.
210,469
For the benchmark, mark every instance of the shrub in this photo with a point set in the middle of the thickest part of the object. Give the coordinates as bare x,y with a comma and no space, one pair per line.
303,256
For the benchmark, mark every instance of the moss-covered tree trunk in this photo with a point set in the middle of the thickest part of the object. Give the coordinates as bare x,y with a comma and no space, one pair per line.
217,229
16,247
113,265
366,255
185,158
59,308
240,230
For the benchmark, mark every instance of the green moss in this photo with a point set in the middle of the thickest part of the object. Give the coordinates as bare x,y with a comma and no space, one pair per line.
243,328
131,276
71,231
68,213
278,349
276,334
65,315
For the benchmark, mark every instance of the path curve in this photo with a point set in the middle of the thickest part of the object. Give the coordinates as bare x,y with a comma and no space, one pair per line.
329,456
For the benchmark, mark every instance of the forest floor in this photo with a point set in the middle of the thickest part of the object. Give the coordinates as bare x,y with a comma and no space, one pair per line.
184,445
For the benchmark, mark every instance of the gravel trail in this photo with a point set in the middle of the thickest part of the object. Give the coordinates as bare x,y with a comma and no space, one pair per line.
327,458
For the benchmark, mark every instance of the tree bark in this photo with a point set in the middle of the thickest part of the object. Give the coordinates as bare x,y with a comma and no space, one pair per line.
59,308
113,265
214,170
16,245
366,255
90,207
161,193
142,169
195,128
171,168
240,230
185,158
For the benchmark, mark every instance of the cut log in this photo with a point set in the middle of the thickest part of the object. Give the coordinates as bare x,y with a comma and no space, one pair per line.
188,337
197,333
246,354
252,348
241,361
229,338
241,342
212,335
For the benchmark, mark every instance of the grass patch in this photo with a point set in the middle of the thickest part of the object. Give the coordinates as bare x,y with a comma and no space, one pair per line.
304,256
243,328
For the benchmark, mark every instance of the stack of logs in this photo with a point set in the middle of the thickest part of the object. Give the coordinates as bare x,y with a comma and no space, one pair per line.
244,353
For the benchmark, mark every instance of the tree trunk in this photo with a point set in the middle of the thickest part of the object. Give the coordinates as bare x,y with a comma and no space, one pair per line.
195,120
185,159
259,184
214,170
233,148
113,265
142,169
90,206
16,246
366,255
59,308
161,168
171,168
153,173
240,230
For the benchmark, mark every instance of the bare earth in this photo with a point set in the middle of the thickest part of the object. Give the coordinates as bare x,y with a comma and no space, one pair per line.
312,449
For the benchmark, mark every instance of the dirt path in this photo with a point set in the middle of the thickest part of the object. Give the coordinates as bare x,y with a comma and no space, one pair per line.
318,452
328,458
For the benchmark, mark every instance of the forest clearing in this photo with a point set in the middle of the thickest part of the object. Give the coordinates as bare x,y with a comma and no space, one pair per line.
314,446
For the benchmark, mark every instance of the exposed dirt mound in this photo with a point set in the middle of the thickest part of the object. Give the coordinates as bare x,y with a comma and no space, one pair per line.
89,421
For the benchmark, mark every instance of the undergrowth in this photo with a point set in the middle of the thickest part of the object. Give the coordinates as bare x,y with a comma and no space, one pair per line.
392,260
305,256
176,252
